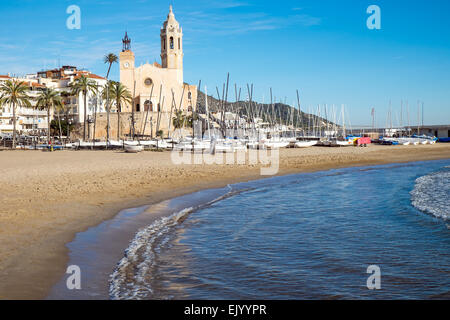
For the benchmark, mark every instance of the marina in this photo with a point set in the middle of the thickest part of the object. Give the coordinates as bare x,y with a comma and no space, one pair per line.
208,151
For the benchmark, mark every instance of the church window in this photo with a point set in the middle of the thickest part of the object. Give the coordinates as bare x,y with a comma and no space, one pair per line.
148,106
148,82
164,43
189,95
171,42
179,44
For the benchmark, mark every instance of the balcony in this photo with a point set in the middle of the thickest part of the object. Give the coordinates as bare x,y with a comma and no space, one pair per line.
32,113
33,121
6,127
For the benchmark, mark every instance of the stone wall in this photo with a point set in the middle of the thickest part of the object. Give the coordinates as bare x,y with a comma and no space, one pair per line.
140,118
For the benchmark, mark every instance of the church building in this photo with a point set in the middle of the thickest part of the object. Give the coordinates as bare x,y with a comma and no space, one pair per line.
158,87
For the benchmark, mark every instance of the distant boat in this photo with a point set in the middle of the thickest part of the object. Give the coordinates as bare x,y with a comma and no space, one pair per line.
342,143
133,148
305,144
336,143
276,144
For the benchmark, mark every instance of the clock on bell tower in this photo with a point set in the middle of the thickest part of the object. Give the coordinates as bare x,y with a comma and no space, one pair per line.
126,56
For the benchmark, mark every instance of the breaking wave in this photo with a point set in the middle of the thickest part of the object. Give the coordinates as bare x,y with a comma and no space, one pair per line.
132,277
431,194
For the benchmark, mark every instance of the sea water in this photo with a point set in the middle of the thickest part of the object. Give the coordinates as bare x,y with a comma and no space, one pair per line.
302,236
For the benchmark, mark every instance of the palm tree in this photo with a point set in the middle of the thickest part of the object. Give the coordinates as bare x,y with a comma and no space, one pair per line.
179,119
66,110
110,58
95,112
49,99
15,94
58,110
106,91
121,95
83,85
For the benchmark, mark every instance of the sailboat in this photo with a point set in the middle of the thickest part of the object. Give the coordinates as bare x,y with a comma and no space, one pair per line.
305,144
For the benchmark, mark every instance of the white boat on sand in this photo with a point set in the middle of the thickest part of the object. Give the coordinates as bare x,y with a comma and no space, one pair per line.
305,144
133,148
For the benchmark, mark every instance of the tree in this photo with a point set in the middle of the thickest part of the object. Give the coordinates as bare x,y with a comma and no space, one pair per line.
14,93
58,109
95,112
120,94
49,99
106,92
65,126
178,120
189,120
66,110
83,85
109,59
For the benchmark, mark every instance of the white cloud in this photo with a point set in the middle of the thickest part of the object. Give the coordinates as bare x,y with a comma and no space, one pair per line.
229,4
229,24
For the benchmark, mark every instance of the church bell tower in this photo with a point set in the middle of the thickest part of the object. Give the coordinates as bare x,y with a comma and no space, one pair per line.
171,43
126,60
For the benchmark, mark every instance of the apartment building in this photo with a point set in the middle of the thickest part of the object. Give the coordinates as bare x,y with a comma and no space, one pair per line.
31,120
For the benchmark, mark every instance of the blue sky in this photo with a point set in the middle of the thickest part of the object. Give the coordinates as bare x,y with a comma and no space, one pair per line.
320,47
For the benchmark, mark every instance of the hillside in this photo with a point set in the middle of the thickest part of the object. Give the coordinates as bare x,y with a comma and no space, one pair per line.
278,113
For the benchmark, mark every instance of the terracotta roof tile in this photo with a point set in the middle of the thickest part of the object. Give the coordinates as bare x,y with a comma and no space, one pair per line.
95,76
35,84
89,75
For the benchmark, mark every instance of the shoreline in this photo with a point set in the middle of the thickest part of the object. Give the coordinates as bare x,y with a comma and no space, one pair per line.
33,251
111,238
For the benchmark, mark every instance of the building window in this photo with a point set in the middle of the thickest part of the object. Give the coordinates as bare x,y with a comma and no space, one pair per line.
171,42
148,82
189,95
138,108
164,43
179,44
148,106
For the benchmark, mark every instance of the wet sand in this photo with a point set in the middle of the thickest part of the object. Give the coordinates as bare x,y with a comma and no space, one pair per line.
47,198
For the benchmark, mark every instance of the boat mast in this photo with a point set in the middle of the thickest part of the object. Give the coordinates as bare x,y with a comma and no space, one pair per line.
207,112
343,121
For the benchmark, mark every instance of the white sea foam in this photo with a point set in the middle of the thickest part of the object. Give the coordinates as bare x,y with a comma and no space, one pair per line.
431,194
132,277
129,279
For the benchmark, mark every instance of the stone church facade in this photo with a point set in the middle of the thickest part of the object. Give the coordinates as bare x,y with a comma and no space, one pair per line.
154,87
158,86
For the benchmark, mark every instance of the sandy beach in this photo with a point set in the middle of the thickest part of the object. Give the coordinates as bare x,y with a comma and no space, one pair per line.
46,198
